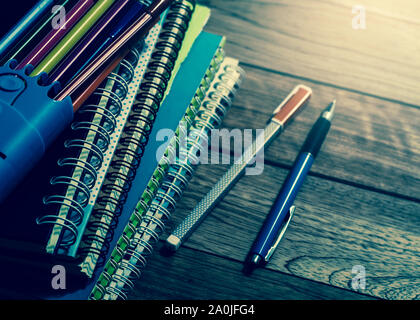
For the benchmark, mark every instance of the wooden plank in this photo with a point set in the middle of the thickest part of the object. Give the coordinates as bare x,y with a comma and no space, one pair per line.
335,228
192,274
372,142
316,40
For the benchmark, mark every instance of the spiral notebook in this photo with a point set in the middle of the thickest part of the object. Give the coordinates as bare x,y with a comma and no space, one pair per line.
181,104
191,74
96,132
79,152
122,176
170,179
116,128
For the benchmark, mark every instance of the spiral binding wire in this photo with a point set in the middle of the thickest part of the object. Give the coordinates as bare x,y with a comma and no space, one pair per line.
136,133
97,119
186,124
152,223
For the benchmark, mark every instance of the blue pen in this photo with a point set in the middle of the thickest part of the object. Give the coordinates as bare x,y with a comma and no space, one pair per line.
282,211
24,25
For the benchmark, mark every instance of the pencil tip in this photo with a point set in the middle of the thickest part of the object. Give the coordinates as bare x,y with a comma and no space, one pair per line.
329,111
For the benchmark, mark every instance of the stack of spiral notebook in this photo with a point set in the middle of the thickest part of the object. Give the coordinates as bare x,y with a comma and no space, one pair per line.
99,199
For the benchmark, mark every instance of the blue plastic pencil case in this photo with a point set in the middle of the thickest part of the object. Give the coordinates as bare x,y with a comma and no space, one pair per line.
30,120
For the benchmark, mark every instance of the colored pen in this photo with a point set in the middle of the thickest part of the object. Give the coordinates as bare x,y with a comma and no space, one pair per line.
281,214
276,124
24,25
34,36
138,29
73,37
112,24
85,93
93,85
55,35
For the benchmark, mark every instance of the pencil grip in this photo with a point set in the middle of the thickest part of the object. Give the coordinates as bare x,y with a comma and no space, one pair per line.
316,137
30,120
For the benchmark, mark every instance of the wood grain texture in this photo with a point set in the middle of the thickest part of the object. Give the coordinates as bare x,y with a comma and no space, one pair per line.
372,142
315,39
335,228
207,276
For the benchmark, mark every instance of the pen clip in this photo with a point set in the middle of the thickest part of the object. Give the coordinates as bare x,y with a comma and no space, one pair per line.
281,234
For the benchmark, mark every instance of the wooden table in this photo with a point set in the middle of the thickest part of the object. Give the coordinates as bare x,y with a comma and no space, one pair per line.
360,205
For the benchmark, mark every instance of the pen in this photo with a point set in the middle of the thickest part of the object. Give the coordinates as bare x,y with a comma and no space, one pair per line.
111,25
85,93
35,35
56,34
73,37
24,25
139,28
281,212
276,124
